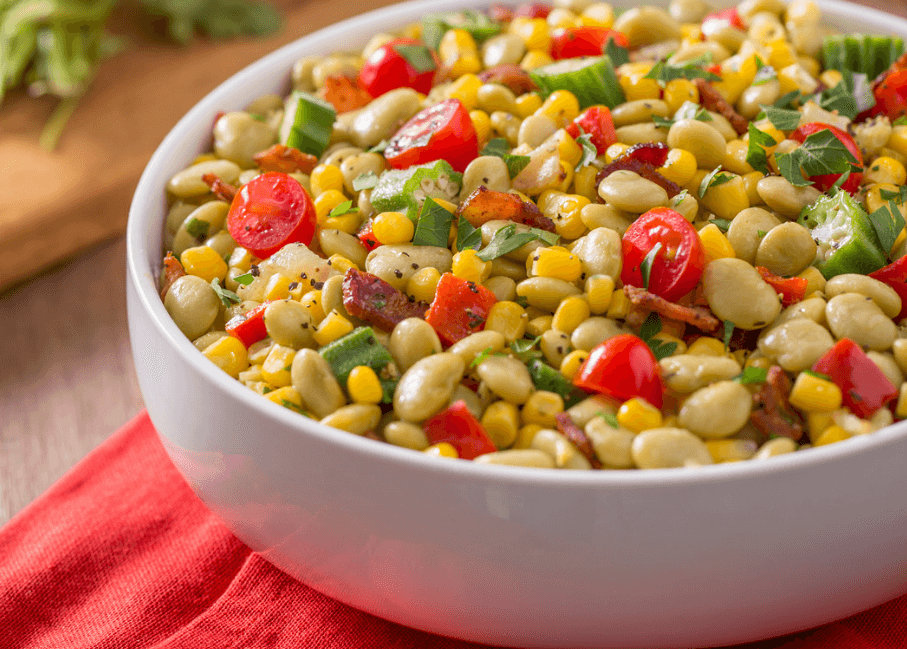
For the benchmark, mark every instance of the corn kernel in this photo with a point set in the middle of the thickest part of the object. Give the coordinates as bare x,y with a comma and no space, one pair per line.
333,326
831,435
363,385
706,346
204,157
635,84
665,338
393,227
814,394
817,422
534,32
204,262
901,409
562,18
422,285
250,375
615,151
567,174
735,158
598,292
885,170
535,59
467,266
326,178
679,166
447,205
715,244
442,449
459,53
572,361
570,314
815,281
228,354
260,387
565,212
482,123
562,106
539,325
501,420
327,201
691,33
278,287
795,77
584,183
679,91
525,435
349,223
287,397
312,301
508,319
241,258
897,141
555,262
341,264
619,307
637,415
527,104
466,89
259,351
728,199
751,184
831,78
598,14
541,408
731,450
276,368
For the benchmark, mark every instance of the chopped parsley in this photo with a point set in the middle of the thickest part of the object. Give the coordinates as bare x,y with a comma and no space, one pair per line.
756,156
197,228
650,328
346,207
227,297
507,239
366,180
721,224
646,266
728,332
245,279
418,56
663,72
752,375
713,179
610,419
497,147
821,153
433,227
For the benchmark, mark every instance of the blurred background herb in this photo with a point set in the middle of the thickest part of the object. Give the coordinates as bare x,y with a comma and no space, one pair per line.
54,47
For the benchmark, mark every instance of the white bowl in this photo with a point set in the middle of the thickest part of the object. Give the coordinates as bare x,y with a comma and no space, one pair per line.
510,556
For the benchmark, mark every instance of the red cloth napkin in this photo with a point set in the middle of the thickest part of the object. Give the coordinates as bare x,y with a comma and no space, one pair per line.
121,554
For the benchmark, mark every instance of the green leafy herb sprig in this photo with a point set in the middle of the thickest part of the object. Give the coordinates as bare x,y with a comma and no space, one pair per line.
54,47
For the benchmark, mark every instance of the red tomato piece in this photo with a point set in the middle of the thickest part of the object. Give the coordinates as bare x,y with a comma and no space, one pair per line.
459,428
440,132
572,42
653,153
895,275
729,16
891,96
597,122
533,10
270,211
387,68
367,237
824,182
863,385
676,267
622,367
791,289
459,308
500,13
249,327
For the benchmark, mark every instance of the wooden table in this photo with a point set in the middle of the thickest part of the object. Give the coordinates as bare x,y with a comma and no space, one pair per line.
68,379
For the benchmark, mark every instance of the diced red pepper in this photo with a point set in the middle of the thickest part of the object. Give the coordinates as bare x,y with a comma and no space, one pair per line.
863,385
895,275
622,367
249,327
730,16
791,289
367,237
533,10
459,308
459,428
343,93
653,153
597,122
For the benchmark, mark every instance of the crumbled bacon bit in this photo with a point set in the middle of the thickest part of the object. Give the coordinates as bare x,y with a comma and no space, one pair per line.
577,435
285,159
344,93
713,100
224,191
645,302
510,75
172,271
374,300
773,414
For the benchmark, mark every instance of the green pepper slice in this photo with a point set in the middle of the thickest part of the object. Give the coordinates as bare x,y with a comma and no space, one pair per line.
847,241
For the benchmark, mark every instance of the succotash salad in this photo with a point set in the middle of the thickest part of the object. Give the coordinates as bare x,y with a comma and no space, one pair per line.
564,236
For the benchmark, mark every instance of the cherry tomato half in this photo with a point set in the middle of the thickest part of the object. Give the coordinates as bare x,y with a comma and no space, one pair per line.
622,367
572,42
825,181
389,67
677,265
270,211
891,96
533,10
440,132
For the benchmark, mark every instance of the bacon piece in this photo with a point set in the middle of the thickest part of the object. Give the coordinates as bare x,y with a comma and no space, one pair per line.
510,75
577,435
644,169
172,271
773,414
224,191
484,205
644,302
713,100
344,93
285,159
374,300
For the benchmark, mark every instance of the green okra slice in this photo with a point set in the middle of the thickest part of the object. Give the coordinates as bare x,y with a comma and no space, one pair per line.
405,190
361,347
846,239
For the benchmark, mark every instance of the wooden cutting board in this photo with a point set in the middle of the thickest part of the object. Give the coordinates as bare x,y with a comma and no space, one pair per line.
56,204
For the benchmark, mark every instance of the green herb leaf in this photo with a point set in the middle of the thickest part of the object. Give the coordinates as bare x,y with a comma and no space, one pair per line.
418,56
618,55
292,406
662,350
515,163
590,153
497,146
505,240
722,224
468,237
900,121
345,207
838,99
751,375
367,180
781,118
687,110
650,327
821,153
481,356
664,72
433,227
713,179
887,221
197,228
789,167
761,233
524,349
258,117
610,419
548,238
755,152
646,266
380,147
818,375
765,74
788,100
227,297
728,332
245,279
899,196
836,187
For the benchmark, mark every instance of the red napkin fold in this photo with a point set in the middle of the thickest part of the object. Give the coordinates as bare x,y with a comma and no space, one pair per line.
120,553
